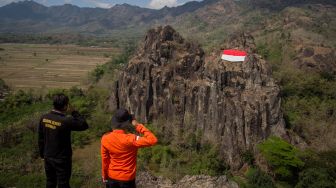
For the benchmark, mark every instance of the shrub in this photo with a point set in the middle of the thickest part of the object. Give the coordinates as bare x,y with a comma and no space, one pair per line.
75,92
109,67
3,85
175,160
18,99
53,92
316,177
208,161
325,160
259,179
98,73
263,50
282,157
248,157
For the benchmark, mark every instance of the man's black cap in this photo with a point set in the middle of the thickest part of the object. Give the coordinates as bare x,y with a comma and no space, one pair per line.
121,117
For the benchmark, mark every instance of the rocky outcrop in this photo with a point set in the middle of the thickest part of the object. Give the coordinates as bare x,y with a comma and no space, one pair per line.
316,58
233,105
145,179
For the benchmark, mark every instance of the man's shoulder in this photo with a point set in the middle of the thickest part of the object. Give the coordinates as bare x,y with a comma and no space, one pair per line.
46,115
53,118
53,114
106,135
110,134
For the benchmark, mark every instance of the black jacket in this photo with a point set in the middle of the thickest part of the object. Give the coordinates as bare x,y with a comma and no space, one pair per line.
54,133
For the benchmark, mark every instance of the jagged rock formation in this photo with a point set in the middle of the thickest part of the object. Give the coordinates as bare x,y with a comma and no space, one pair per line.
234,105
316,58
145,179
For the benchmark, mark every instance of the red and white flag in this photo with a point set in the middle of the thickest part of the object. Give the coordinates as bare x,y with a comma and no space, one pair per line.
234,55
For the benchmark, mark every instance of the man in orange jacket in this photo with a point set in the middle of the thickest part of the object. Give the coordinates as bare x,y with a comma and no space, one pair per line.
119,150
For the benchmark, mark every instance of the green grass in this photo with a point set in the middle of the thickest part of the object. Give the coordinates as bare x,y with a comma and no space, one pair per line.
22,112
20,164
175,157
242,183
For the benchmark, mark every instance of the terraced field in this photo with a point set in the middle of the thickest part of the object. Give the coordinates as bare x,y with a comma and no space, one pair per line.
25,66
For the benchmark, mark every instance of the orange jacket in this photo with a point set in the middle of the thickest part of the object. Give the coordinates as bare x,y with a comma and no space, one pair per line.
119,152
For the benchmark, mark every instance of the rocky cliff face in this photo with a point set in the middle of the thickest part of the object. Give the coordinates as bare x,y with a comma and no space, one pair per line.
233,105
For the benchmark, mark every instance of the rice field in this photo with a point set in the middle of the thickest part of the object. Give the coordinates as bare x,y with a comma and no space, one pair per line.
34,66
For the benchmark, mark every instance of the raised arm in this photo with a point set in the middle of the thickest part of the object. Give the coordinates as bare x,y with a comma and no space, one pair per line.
148,138
77,122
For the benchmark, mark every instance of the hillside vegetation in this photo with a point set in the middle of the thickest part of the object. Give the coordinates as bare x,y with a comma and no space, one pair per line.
297,39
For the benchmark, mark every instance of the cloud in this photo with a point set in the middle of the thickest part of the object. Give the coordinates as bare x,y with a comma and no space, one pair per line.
43,2
157,4
5,2
100,4
68,1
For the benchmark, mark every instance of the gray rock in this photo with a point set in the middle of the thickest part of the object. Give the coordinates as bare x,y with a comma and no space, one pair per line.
234,105
145,180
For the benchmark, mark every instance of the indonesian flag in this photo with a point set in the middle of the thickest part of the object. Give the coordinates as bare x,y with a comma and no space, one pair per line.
234,55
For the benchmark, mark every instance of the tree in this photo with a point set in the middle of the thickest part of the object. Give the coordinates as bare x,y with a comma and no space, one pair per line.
282,157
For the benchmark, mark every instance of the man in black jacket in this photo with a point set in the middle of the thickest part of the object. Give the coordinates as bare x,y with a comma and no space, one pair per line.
54,140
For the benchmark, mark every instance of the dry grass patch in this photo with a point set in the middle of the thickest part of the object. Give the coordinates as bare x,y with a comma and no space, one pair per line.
25,66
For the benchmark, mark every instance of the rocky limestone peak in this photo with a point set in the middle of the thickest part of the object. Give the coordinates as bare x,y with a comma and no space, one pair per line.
156,37
233,105
165,47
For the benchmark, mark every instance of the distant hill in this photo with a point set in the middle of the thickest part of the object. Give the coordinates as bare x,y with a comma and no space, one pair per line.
306,28
30,17
280,4
299,32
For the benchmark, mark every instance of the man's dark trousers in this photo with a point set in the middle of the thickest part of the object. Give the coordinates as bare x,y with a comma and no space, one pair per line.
120,184
58,172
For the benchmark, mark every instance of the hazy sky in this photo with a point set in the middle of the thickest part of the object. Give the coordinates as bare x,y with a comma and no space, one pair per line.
156,4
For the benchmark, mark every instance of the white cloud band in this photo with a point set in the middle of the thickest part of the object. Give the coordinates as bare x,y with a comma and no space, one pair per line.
157,4
100,4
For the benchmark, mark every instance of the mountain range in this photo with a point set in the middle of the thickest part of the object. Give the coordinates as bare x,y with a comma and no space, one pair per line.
31,17
298,31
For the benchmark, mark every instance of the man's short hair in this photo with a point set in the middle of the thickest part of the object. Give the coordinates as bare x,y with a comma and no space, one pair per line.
60,101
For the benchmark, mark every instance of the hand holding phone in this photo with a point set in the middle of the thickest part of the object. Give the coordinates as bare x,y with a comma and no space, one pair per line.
135,122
